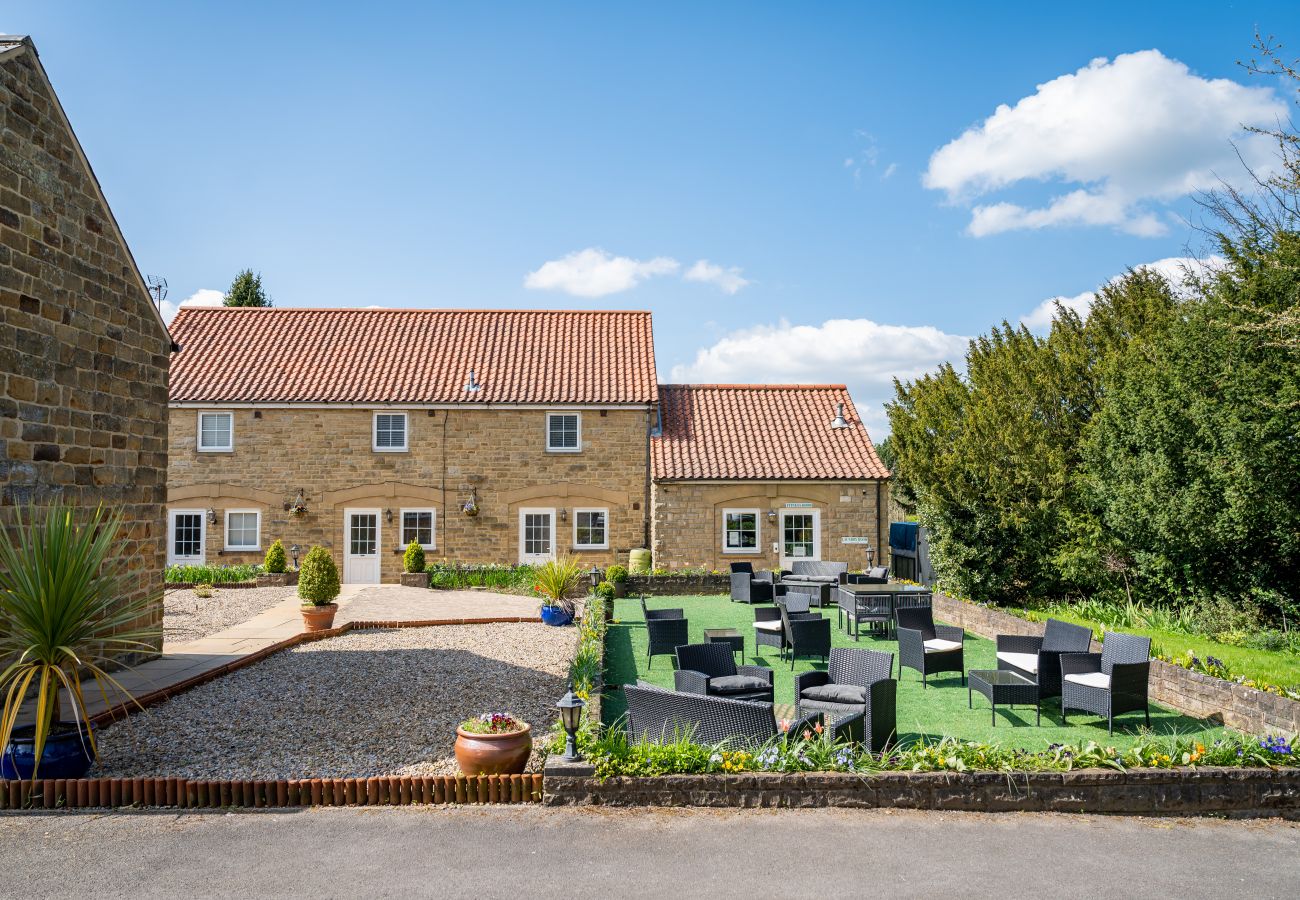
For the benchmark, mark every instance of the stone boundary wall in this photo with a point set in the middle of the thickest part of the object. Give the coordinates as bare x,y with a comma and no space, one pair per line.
677,585
1196,694
183,793
1148,792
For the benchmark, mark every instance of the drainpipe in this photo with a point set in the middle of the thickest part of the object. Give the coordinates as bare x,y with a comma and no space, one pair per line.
645,507
443,487
880,548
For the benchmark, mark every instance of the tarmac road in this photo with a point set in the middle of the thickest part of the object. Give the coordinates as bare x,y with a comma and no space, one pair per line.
532,852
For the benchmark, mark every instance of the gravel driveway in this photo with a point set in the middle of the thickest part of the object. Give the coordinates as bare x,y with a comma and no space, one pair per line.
366,703
188,617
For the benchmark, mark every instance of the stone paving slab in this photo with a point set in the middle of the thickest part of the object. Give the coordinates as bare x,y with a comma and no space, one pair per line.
395,603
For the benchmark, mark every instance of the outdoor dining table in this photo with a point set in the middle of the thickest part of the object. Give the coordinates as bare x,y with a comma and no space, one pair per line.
884,599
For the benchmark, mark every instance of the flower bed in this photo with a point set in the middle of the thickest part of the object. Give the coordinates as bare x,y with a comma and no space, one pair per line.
188,576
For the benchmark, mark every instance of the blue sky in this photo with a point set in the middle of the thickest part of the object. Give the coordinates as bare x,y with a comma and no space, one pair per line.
799,192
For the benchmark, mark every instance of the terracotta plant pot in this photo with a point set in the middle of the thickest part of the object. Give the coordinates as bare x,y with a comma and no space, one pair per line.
318,618
494,754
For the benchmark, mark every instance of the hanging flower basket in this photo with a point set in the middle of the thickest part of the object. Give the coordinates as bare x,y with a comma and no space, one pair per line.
469,508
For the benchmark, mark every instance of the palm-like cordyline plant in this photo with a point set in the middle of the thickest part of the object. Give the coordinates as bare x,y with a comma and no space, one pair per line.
62,616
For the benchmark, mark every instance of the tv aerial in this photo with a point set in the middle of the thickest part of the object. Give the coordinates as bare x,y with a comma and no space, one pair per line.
158,287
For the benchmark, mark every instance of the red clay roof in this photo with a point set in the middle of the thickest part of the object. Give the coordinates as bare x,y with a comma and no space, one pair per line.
250,355
760,431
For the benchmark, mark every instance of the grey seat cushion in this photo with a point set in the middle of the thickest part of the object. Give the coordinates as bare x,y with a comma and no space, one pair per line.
835,693
736,684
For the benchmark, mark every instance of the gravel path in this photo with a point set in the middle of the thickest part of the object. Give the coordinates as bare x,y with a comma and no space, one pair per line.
188,617
366,703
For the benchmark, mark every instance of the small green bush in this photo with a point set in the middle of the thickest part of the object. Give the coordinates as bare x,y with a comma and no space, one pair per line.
616,574
318,580
276,562
413,559
605,590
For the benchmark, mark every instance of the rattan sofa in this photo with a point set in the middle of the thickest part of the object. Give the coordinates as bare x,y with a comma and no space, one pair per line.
657,716
711,669
1039,658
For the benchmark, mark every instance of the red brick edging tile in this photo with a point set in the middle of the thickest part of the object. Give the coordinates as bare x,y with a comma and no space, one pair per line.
184,793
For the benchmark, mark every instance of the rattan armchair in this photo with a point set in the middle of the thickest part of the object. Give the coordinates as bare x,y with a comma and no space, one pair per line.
1039,658
769,631
666,630
929,648
855,682
1108,683
711,669
806,633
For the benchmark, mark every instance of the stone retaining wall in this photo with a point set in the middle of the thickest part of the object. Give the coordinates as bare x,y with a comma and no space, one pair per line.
1199,695
677,585
1151,792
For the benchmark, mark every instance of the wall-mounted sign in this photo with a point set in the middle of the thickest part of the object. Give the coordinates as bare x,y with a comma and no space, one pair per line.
797,505
855,540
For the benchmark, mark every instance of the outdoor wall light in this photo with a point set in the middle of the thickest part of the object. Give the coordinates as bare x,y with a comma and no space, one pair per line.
295,550
570,707
564,514
212,516
388,516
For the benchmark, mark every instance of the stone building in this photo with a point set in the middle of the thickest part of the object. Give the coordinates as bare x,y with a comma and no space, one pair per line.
487,436
766,474
83,350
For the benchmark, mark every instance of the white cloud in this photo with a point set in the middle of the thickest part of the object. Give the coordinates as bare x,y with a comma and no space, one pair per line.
729,280
595,273
1130,133
863,354
1174,268
201,297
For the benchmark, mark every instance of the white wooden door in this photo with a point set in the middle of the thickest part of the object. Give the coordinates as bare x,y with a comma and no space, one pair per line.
800,536
361,544
536,535
186,530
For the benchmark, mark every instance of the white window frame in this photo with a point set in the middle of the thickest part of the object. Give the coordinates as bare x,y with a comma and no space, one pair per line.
590,509
243,548
433,526
758,532
374,431
198,437
816,515
578,418
524,512
172,559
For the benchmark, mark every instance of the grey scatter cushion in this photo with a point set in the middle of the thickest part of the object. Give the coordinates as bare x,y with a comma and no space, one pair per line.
733,684
836,693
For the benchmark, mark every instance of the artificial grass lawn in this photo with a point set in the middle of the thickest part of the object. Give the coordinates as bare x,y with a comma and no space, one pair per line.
1268,666
937,711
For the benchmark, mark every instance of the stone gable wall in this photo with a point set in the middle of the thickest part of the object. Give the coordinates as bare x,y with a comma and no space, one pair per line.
499,453
687,528
83,357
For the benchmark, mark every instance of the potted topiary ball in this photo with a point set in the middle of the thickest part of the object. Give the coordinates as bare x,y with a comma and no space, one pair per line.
318,585
275,567
413,573
493,744
617,576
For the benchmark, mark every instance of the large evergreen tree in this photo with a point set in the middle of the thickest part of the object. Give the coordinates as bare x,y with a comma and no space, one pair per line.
246,290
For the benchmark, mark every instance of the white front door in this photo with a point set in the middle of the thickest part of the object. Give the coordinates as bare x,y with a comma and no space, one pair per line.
186,529
800,535
536,535
361,546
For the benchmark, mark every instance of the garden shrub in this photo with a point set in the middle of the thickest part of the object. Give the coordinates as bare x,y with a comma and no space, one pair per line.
605,591
276,562
413,559
616,574
318,579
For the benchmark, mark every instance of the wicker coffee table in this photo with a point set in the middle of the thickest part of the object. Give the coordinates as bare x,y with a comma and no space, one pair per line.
726,636
1003,687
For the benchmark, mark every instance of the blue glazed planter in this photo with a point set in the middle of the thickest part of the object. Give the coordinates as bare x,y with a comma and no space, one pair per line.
556,615
67,754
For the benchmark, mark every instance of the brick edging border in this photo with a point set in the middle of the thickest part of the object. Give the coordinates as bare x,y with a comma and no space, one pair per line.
1145,792
126,707
185,793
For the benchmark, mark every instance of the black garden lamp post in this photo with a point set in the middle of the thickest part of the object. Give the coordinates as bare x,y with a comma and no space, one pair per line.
570,707
295,550
594,575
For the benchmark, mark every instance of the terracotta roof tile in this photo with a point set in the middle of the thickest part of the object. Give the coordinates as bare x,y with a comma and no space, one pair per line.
728,432
249,355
